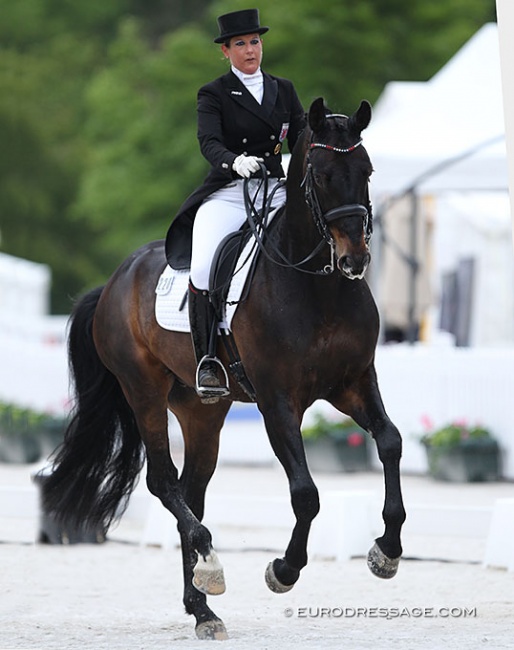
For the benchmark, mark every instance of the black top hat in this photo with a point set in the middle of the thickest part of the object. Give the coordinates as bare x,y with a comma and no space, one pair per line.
239,23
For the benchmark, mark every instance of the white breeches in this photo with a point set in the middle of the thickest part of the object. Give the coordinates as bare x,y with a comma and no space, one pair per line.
222,213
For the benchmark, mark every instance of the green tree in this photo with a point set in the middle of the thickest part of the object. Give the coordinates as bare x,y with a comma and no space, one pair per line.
30,25
41,162
349,51
49,50
141,127
141,122
97,105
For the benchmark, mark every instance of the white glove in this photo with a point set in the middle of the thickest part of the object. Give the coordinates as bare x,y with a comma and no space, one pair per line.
245,166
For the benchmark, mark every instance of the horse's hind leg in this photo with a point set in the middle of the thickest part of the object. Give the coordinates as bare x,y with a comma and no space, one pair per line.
150,409
203,575
364,404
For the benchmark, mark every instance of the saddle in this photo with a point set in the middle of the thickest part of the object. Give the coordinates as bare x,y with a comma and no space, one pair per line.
224,265
235,254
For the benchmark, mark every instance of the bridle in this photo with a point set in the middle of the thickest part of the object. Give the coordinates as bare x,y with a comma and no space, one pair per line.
323,219
258,222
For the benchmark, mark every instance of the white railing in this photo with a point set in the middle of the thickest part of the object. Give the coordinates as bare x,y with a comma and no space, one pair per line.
443,383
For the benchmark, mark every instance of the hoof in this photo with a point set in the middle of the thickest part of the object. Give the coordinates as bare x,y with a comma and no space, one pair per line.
273,583
208,575
211,631
381,565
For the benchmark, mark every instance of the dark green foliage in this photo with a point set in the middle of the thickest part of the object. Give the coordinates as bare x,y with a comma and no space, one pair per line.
97,106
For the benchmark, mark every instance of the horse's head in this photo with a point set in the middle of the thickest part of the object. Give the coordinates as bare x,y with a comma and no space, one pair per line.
337,172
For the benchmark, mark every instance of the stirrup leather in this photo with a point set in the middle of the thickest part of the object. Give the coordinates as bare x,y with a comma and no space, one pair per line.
211,391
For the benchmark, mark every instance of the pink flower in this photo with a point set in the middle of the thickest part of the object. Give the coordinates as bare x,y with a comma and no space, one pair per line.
355,439
427,423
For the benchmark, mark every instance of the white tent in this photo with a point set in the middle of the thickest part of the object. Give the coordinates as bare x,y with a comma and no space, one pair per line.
452,123
445,138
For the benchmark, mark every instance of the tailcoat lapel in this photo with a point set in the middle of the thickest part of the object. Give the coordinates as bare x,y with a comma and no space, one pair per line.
270,94
240,94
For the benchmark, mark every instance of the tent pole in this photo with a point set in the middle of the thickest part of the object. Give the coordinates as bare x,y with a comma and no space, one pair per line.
413,326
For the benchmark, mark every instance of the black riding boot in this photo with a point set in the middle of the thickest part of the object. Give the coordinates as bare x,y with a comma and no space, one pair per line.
202,321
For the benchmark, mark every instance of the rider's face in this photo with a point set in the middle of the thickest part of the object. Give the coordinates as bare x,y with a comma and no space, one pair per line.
244,52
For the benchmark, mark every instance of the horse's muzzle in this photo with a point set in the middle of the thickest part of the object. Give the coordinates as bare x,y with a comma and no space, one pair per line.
354,266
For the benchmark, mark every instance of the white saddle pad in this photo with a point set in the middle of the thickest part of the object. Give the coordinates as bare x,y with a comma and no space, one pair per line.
171,309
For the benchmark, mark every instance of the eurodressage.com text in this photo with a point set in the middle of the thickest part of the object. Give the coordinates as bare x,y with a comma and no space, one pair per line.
381,612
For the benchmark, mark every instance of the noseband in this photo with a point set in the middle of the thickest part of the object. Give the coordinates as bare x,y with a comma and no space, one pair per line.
323,219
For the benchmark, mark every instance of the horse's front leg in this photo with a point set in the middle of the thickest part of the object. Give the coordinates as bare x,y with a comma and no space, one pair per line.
364,404
283,427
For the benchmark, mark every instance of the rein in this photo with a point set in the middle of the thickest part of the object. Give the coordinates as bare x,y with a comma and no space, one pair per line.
258,224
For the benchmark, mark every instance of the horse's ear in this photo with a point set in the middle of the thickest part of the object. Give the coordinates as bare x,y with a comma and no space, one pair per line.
317,115
362,117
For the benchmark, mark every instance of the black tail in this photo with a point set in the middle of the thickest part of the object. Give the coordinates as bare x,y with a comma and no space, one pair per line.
98,465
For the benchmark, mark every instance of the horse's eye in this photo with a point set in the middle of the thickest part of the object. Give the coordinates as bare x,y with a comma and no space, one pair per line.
320,179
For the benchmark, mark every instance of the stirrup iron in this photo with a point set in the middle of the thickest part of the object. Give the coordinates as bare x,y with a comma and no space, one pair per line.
211,391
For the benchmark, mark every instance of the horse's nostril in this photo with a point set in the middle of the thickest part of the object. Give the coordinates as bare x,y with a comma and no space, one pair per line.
353,266
343,262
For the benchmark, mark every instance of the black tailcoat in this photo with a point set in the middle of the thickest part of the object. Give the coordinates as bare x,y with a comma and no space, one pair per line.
231,122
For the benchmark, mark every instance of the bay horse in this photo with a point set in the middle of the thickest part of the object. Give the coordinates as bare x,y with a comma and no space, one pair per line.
307,330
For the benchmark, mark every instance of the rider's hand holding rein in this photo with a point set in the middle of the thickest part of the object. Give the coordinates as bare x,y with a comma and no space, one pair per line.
245,166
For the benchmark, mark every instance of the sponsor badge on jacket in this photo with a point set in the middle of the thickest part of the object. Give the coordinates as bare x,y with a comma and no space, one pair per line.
281,137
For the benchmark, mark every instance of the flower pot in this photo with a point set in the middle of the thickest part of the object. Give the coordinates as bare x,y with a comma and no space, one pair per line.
19,447
353,453
51,435
470,461
332,453
322,455
26,437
